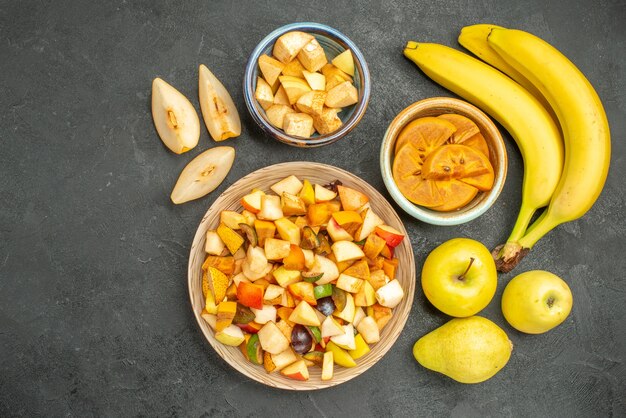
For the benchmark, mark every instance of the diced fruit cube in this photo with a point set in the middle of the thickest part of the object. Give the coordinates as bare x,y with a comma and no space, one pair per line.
213,244
280,98
272,339
328,121
390,295
276,113
392,236
287,300
359,314
378,279
304,314
340,356
325,266
322,291
361,347
224,264
336,232
297,371
256,259
250,295
270,68
253,349
291,185
346,339
303,291
349,220
359,269
370,222
366,296
276,249
283,359
298,124
351,199
273,294
322,194
209,303
318,214
252,201
231,239
292,204
344,62
342,95
266,314
295,260
330,71
225,314
309,257
270,208
327,366
249,216
346,250
316,81
330,327
287,46
390,267
307,193
312,56
373,246
231,335
288,231
314,357
294,69
264,230
286,328
253,275
284,313
263,93
218,283
347,314
349,283
210,319
312,103
369,330
294,87
381,314
250,327
286,277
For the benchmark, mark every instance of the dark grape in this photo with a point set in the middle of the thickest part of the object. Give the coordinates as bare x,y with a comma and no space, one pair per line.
326,305
301,339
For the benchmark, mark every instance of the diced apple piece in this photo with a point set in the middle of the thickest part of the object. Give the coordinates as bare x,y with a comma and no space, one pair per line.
378,279
309,258
252,201
286,328
218,283
390,295
250,295
330,327
336,232
370,222
349,283
218,109
361,347
360,270
346,250
312,56
291,185
322,194
287,300
287,46
318,214
292,204
366,296
304,314
276,249
210,319
270,68
351,199
307,193
239,278
272,340
257,261
210,305
294,69
231,335
312,103
342,95
273,294
346,339
340,356
328,121
253,275
175,118
249,217
276,114
325,266
344,62
303,291
294,87
270,208
295,260
298,124
369,330
264,230
316,81
288,231
264,315
225,314
213,244
283,359
280,98
373,246
359,314
232,219
263,94
392,236
327,366
286,277
297,371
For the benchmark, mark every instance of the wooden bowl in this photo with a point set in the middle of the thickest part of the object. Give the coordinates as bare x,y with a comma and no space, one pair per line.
434,107
316,173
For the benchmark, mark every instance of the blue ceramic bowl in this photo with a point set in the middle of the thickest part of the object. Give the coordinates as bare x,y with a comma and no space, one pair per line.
333,42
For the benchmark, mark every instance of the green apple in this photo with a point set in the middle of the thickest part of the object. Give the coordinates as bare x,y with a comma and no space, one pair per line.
459,277
536,301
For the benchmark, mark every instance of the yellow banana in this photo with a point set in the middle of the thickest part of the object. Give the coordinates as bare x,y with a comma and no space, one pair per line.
474,39
528,122
583,122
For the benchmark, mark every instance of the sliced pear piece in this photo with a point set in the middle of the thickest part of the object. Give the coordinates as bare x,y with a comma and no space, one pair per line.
298,124
280,98
270,68
294,69
328,121
175,118
203,174
263,93
312,103
316,81
342,95
294,87
276,114
344,62
287,46
219,111
312,56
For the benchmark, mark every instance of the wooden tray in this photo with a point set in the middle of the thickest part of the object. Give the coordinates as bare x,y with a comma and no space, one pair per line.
316,173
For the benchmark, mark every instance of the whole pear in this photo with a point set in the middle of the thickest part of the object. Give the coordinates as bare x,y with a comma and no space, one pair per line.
468,350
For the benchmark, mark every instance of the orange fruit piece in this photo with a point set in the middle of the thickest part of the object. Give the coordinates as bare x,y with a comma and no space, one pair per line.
425,134
455,194
465,127
455,161
407,173
484,182
479,143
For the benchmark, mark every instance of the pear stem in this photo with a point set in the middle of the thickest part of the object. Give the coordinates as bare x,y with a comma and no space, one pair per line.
462,276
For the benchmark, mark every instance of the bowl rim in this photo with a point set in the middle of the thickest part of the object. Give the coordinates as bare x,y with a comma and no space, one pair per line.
360,66
402,311
423,214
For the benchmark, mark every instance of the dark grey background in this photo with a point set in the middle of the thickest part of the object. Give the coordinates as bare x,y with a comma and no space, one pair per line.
94,311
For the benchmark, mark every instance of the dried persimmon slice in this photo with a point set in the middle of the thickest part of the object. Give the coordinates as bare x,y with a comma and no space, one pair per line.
465,127
455,161
425,134
407,173
484,182
455,194
479,143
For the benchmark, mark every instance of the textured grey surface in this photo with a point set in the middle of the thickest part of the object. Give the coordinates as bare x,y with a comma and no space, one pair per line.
94,312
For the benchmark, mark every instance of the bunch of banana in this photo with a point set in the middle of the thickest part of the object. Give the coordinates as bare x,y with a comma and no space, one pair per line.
551,78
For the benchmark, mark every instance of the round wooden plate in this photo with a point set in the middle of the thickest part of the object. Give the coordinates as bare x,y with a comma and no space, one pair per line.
315,173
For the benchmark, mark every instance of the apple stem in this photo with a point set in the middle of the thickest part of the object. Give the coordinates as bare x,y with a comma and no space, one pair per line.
462,276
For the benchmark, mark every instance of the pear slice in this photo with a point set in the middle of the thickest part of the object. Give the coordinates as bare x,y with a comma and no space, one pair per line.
312,56
263,93
316,81
294,87
344,62
342,95
203,174
175,118
219,111
287,46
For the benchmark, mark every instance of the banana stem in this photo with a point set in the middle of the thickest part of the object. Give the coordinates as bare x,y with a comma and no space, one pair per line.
521,224
544,224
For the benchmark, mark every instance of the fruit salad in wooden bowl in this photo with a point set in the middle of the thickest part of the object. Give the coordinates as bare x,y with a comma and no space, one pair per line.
301,276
